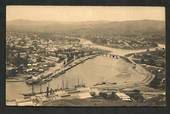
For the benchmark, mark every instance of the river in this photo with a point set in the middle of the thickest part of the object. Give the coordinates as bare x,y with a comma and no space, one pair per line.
116,51
89,72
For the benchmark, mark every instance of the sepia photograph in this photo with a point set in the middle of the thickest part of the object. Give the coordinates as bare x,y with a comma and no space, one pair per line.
85,56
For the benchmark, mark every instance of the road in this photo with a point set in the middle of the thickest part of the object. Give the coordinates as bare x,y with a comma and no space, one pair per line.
115,51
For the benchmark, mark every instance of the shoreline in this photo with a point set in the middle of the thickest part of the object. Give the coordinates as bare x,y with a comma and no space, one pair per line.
117,86
59,72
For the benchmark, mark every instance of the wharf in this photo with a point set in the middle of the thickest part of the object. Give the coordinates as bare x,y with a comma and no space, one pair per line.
42,98
57,71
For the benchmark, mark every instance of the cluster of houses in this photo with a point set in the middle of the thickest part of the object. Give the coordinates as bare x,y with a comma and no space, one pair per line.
27,53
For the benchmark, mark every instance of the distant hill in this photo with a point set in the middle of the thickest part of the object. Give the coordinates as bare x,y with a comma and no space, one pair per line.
91,28
105,26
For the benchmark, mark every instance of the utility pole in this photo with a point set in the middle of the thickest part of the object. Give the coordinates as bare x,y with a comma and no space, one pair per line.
40,88
66,84
33,92
62,84
48,86
74,57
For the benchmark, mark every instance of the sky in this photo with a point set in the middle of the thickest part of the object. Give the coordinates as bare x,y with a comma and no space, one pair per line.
84,13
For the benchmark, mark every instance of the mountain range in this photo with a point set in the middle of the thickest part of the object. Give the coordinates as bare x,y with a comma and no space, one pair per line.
90,28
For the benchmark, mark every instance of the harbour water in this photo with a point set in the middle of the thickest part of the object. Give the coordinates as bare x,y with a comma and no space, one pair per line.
89,73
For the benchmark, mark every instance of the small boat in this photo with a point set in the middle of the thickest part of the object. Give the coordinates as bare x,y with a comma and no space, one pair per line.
61,72
73,91
100,83
114,83
47,79
65,95
27,95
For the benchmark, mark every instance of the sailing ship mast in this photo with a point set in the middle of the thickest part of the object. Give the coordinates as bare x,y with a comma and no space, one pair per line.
40,88
48,87
78,81
62,84
33,91
66,84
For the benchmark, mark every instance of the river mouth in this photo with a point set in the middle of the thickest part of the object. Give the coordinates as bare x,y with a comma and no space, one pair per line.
97,70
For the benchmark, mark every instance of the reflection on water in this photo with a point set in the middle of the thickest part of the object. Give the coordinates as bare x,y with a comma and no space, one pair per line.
90,72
